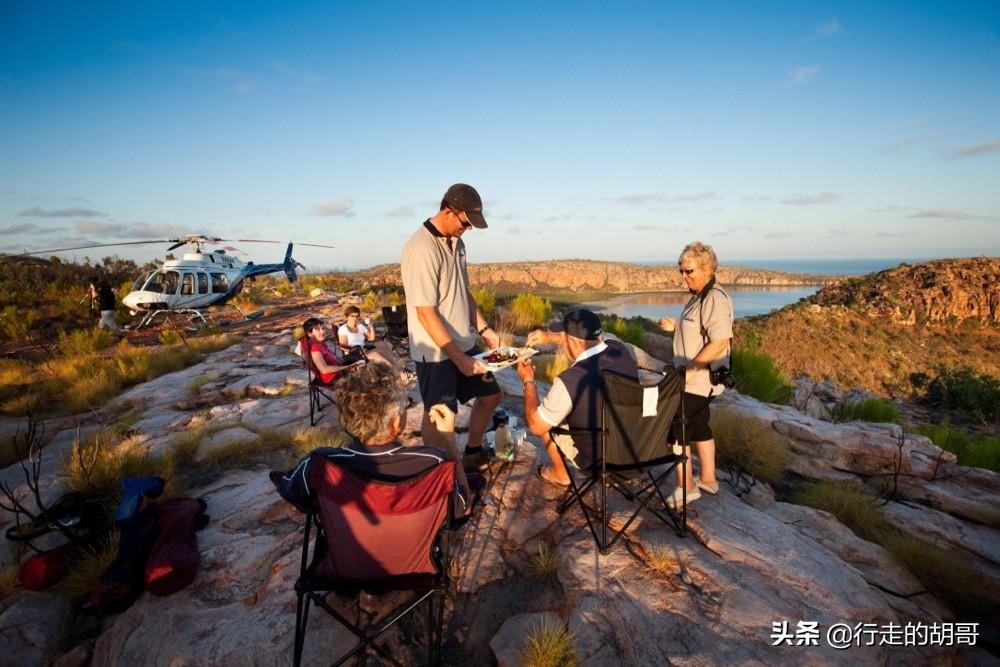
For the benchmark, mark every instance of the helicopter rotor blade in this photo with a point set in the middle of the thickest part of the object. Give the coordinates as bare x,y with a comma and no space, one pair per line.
311,245
88,247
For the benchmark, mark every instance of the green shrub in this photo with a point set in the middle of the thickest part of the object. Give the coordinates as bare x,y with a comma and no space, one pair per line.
15,323
549,643
964,391
528,311
855,509
549,366
487,302
631,330
978,451
750,443
757,375
170,337
877,410
83,342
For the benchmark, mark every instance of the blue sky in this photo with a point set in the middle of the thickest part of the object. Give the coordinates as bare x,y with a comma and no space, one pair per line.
598,130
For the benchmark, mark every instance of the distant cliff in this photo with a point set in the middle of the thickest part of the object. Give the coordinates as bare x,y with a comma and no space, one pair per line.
577,275
938,291
875,331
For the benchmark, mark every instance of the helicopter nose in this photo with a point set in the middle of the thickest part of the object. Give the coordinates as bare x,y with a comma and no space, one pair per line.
131,301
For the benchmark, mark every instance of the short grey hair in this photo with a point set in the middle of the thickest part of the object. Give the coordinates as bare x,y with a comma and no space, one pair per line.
369,399
702,254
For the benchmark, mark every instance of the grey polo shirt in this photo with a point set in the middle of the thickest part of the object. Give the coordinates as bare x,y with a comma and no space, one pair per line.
435,274
716,313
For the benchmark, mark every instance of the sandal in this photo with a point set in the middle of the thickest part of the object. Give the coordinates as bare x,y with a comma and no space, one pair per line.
541,475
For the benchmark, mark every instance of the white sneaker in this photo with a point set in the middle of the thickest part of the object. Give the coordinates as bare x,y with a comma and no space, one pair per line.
676,498
706,487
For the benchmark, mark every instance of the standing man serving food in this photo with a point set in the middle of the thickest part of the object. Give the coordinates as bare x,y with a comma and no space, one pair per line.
444,321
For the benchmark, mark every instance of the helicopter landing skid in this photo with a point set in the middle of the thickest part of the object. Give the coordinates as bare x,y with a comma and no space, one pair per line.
193,315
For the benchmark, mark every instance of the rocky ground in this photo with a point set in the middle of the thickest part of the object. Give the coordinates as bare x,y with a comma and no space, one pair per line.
656,598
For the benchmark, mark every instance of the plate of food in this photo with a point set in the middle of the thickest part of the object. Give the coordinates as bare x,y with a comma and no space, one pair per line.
502,357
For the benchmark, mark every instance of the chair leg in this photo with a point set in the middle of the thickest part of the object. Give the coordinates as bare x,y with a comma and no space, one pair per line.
301,618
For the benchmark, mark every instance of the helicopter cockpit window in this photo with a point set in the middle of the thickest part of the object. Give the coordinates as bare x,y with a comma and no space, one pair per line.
187,285
164,282
220,283
202,283
140,281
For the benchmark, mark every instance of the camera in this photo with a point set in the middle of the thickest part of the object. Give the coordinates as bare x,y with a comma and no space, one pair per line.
722,375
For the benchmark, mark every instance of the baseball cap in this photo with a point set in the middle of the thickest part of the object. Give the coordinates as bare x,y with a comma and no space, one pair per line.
465,198
578,323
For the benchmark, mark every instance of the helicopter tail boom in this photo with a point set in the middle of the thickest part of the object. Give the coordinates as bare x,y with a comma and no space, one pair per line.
289,265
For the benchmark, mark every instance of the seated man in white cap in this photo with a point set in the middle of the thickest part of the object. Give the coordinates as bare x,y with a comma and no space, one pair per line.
575,400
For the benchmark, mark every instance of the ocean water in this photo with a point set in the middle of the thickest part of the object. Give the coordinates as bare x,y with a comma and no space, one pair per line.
746,301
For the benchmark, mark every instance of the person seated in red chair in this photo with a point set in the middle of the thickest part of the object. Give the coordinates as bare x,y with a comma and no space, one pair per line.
357,339
324,360
372,407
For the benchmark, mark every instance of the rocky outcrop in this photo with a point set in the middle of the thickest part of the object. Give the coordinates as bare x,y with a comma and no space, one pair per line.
586,275
944,290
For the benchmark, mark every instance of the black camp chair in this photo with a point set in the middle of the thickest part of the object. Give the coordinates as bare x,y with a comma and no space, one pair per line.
396,333
317,395
633,454
376,537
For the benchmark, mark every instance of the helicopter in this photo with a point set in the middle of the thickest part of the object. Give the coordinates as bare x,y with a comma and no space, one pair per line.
197,280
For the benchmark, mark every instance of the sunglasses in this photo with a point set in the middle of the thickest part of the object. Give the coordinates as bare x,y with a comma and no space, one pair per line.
465,223
687,272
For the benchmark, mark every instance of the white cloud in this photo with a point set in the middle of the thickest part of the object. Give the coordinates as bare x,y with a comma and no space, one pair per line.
644,199
38,212
830,28
800,75
984,148
18,229
779,235
902,146
812,200
838,233
404,211
337,207
950,214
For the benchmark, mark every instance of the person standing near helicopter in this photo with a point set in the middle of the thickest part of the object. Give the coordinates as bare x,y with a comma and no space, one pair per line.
102,299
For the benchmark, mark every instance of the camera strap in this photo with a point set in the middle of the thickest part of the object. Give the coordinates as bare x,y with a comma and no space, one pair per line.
701,323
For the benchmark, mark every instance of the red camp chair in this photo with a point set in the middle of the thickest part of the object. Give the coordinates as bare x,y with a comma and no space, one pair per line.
376,537
316,385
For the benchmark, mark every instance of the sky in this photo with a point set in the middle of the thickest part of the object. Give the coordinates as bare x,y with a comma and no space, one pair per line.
619,131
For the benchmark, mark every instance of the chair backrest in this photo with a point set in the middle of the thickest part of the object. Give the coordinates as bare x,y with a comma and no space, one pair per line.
379,529
395,320
637,419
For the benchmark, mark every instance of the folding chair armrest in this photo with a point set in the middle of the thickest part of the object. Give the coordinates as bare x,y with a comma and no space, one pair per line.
595,432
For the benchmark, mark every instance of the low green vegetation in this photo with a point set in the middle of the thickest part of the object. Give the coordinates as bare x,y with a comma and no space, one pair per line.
549,643
97,464
9,578
549,366
747,442
877,410
757,375
487,302
84,375
528,311
972,449
942,571
631,330
961,390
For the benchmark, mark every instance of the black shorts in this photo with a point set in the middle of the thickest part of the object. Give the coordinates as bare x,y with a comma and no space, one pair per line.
442,382
697,413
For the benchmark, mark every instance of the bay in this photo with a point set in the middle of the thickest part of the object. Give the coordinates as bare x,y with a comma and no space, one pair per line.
746,301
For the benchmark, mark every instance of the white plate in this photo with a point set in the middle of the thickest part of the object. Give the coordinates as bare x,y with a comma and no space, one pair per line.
521,352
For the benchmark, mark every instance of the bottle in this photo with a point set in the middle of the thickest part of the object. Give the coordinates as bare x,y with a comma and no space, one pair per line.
502,441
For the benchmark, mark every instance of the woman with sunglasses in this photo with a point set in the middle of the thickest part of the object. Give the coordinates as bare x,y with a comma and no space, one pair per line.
357,339
701,347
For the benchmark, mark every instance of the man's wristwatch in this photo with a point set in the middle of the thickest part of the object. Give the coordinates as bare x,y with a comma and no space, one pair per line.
480,332
527,382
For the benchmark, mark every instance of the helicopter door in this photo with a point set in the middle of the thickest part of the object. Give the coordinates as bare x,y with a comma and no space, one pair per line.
202,283
187,284
220,283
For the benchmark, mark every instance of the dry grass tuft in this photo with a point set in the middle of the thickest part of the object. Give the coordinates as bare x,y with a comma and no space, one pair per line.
855,509
549,644
98,463
549,366
10,580
545,561
661,559
741,439
84,573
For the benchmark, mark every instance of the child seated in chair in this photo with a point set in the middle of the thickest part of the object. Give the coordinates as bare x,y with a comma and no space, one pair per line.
323,359
372,409
357,340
